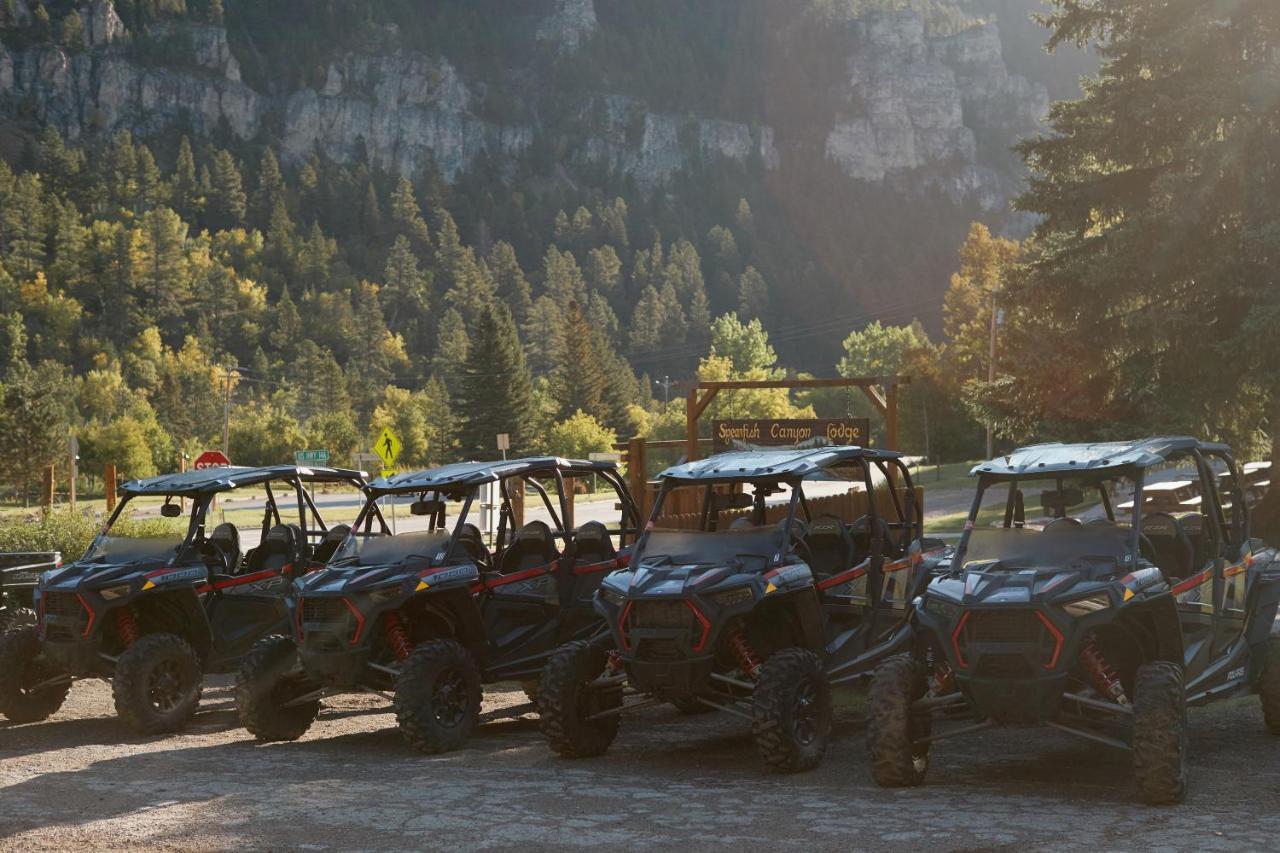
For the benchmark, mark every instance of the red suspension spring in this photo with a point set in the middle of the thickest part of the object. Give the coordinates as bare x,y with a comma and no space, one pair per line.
397,636
943,679
1105,679
614,665
747,659
126,627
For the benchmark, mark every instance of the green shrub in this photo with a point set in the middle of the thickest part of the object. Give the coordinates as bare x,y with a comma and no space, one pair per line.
72,534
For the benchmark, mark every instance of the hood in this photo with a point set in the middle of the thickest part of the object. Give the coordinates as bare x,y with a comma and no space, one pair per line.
990,582
674,580
334,581
97,572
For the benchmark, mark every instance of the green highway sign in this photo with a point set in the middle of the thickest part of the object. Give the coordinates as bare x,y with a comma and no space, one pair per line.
311,457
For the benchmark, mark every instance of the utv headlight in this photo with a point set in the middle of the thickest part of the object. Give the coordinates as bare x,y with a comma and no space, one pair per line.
614,599
1087,605
111,593
940,609
730,597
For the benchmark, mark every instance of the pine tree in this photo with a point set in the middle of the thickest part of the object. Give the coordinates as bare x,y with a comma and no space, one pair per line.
184,186
579,376
753,294
1152,269
495,392
227,201
151,189
287,334
406,218
603,269
561,278
646,324
452,348
407,289
509,279
270,191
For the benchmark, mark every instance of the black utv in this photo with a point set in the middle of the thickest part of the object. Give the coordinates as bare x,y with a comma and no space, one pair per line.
153,614
1100,626
432,613
754,602
19,572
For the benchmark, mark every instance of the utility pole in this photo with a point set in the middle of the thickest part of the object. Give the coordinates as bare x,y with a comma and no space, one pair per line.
991,363
73,465
226,412
666,389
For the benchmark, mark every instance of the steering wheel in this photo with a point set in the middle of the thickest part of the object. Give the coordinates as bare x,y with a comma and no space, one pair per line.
796,533
209,551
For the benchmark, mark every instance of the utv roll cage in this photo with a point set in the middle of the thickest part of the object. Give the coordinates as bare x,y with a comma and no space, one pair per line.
460,482
768,468
1093,465
202,485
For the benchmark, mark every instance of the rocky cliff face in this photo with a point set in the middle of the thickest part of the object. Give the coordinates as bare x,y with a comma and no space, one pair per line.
916,112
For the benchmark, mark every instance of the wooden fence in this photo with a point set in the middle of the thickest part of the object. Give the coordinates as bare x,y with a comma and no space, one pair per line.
847,506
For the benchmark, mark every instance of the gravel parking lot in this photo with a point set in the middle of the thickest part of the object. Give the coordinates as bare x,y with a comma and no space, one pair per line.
670,782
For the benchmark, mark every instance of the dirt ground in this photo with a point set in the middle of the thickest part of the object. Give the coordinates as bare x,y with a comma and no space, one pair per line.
670,782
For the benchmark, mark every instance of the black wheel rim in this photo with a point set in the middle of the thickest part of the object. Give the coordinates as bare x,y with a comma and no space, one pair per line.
804,714
165,688
449,698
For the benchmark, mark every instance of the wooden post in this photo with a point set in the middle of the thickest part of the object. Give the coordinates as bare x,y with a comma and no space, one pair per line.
515,494
46,491
691,425
638,477
891,416
570,485
109,483
73,465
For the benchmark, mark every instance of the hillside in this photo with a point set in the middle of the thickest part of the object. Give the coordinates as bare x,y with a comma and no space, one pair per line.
232,175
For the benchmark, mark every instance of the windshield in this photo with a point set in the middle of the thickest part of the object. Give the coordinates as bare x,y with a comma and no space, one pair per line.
1056,547
128,549
748,545
378,549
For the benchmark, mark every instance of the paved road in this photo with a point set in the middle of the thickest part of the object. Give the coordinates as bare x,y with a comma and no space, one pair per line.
670,782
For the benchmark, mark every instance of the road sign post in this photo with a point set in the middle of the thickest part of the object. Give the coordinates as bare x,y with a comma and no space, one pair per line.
387,448
318,458
504,444
211,459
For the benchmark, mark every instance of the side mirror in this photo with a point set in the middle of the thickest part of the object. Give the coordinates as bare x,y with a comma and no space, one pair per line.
171,511
735,501
1061,500
424,507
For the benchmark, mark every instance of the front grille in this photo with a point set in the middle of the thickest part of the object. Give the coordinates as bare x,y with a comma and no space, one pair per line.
1007,643
322,610
1004,626
65,616
326,624
661,614
1003,666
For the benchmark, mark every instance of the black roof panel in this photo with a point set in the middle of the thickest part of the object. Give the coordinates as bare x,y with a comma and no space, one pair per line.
477,473
199,481
1058,458
786,463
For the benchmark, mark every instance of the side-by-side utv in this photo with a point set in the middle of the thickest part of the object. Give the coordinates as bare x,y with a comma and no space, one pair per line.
1057,612
153,614
754,602
19,572
434,612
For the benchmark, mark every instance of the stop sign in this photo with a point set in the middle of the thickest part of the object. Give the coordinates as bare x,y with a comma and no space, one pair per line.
212,459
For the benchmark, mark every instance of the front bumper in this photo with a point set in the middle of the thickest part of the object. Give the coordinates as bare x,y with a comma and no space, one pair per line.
81,657
347,669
